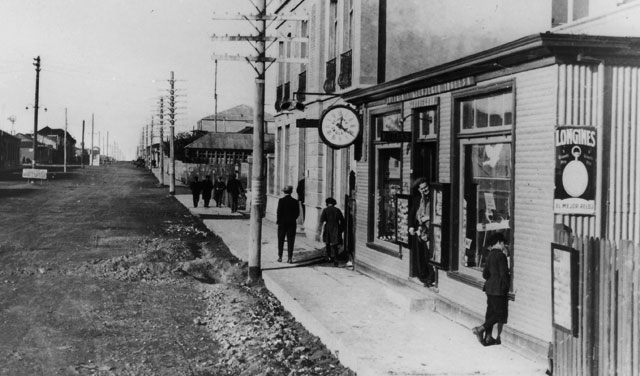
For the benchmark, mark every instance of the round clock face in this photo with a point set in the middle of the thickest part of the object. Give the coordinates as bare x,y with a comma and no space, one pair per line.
339,127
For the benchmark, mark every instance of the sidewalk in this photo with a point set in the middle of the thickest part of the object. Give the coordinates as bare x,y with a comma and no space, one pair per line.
373,328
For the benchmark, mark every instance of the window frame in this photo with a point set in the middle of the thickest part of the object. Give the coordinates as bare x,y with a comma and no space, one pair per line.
461,138
375,145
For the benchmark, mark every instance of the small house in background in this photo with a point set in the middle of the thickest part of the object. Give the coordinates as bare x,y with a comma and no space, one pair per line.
44,146
58,136
234,120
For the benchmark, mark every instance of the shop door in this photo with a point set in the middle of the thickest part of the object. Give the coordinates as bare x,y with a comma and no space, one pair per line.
424,166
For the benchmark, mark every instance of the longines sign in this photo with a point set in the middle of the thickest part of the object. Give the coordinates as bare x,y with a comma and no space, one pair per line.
431,90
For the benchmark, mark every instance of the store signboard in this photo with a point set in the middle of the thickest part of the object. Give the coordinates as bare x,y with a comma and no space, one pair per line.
575,170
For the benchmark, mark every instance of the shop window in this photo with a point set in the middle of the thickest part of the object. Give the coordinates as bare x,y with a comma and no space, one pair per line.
485,197
389,185
490,111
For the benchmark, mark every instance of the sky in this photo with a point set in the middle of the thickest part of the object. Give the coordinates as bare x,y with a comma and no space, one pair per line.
112,59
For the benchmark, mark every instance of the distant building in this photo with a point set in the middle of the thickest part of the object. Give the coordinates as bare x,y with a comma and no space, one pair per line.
45,148
58,136
9,151
234,120
225,148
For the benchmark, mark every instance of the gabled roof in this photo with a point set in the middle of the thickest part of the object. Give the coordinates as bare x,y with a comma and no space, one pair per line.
238,113
231,141
58,132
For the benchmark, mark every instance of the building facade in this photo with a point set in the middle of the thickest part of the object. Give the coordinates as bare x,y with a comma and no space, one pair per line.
487,131
343,45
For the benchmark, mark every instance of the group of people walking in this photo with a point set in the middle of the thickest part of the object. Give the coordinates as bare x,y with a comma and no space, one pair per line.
206,187
332,225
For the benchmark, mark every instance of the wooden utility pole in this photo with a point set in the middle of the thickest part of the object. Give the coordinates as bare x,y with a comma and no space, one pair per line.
91,160
65,140
35,112
215,97
172,121
258,191
258,175
82,144
161,141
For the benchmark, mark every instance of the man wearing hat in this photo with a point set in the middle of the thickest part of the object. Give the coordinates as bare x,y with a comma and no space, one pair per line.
287,213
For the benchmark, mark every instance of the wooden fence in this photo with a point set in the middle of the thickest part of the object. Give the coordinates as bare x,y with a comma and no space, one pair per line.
608,340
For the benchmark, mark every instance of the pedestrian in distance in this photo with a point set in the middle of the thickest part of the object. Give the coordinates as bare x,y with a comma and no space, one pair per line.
196,188
218,190
419,220
286,219
333,221
207,187
235,189
496,286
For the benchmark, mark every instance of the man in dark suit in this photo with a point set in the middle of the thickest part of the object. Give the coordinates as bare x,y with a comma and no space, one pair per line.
287,213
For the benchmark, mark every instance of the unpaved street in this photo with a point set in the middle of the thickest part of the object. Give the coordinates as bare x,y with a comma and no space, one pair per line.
104,273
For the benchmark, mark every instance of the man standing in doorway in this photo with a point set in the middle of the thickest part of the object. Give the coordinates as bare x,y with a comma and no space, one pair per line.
419,220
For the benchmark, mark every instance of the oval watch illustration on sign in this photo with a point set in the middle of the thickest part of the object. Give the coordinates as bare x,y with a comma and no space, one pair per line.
575,177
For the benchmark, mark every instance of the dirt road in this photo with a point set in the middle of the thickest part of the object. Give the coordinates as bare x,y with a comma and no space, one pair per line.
104,273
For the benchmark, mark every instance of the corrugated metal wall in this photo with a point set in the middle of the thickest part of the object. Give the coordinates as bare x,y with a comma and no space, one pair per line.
579,104
607,98
624,184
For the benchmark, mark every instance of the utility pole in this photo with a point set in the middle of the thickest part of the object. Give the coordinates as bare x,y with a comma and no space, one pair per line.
162,141
91,160
172,121
82,144
65,140
258,191
107,144
257,176
35,112
215,96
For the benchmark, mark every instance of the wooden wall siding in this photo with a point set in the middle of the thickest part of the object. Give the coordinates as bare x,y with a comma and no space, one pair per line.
535,96
624,183
608,340
579,93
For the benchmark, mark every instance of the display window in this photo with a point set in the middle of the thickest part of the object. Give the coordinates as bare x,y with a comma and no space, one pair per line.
485,172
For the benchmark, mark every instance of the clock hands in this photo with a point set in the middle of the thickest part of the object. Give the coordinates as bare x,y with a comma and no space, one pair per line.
340,126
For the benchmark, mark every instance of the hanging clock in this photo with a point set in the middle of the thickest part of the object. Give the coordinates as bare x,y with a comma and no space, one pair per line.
339,126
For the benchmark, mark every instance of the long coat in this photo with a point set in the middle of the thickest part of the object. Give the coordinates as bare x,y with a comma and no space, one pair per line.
496,274
334,225
288,211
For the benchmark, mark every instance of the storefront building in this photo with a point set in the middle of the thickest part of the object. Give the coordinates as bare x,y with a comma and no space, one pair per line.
496,135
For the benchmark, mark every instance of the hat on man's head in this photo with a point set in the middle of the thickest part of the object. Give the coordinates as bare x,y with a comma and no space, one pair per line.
288,189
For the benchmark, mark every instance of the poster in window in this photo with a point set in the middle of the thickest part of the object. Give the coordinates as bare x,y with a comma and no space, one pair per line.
402,219
564,288
575,170
439,228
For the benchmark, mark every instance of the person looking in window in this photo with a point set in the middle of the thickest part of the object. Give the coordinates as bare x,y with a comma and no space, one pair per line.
496,274
419,220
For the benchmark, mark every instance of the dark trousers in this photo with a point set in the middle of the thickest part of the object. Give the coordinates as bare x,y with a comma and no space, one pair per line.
421,254
497,311
196,198
234,202
332,250
206,199
290,232
218,197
